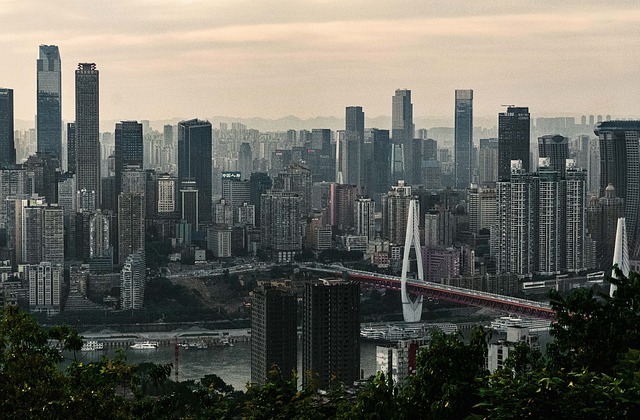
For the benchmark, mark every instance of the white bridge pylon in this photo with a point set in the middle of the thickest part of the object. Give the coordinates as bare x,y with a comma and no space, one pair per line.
411,309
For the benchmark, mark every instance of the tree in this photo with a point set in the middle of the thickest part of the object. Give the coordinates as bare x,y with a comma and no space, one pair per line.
592,330
448,378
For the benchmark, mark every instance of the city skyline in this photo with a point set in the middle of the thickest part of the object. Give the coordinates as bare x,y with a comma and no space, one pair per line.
229,59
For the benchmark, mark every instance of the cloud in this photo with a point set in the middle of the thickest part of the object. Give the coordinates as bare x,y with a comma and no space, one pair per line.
181,57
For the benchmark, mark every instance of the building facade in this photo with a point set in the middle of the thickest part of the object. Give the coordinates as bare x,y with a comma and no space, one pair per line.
274,332
49,101
331,332
463,137
87,127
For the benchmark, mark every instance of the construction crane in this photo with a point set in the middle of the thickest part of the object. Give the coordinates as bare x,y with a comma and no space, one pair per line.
176,358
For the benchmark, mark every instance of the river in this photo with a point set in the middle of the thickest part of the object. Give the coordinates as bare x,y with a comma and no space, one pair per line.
232,364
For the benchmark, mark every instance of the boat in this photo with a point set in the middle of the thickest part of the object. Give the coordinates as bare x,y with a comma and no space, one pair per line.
92,345
504,322
144,345
202,345
225,342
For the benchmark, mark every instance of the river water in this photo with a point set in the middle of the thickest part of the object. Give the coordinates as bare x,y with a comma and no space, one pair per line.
232,364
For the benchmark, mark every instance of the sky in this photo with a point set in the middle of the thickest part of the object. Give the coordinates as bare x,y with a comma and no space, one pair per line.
163,59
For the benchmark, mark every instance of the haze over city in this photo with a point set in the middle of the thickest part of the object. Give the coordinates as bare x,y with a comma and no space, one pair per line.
173,59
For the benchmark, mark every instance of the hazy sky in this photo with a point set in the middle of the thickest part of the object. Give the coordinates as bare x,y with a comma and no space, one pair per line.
198,58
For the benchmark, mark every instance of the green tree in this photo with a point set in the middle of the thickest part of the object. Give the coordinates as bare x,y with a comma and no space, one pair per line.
592,330
448,377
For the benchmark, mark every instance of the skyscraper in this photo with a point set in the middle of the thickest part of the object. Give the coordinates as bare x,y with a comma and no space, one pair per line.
45,285
49,101
402,130
245,160
274,336
619,162
194,162
353,150
7,146
463,137
513,140
280,227
556,148
379,168
87,129
331,331
71,147
130,225
132,280
395,210
488,161
364,218
128,148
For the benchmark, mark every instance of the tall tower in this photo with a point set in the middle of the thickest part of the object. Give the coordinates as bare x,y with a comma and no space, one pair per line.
619,161
463,137
412,309
353,150
379,168
49,101
402,130
7,146
87,130
194,161
514,128
274,332
331,331
245,160
556,148
280,227
128,148
130,225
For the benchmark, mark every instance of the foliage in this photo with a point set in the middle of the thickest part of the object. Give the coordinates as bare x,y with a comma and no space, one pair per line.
448,378
592,330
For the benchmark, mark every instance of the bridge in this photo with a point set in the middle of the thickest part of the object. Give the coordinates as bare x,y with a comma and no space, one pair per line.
443,292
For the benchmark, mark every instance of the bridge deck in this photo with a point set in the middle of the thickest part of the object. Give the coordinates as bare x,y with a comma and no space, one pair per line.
450,293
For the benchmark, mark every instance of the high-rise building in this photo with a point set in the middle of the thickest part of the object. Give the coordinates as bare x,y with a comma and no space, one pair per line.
619,162
87,130
190,204
45,283
219,240
379,167
128,149
166,195
514,128
49,101
353,150
259,183
576,220
364,218
488,162
602,220
194,162
71,147
331,332
235,191
481,208
132,281
131,224
36,231
402,130
245,160
395,211
100,234
296,178
516,247
42,175
7,145
556,148
274,332
280,226
551,208
463,139
343,198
